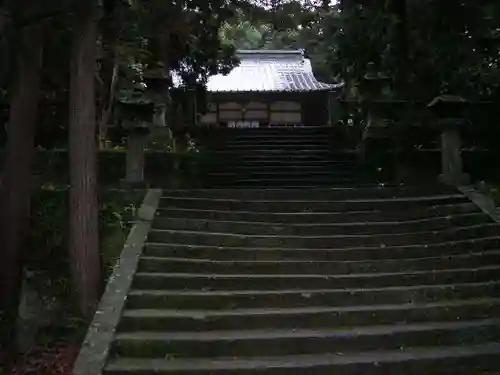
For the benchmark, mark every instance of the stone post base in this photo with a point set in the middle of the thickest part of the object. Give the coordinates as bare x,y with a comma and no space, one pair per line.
459,179
135,159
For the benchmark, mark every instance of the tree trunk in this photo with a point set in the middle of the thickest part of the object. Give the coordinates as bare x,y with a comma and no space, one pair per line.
84,237
401,43
106,107
109,67
17,181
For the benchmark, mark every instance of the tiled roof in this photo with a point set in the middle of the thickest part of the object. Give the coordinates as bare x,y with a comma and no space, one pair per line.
269,71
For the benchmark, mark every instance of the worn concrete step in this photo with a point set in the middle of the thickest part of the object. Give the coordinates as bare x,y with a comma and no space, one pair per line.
228,174
283,148
309,205
284,298
278,143
264,179
281,175
280,161
331,241
321,229
282,183
308,317
251,168
371,215
190,265
276,342
211,281
281,155
453,360
273,138
276,130
447,248
282,172
292,170
356,192
289,163
287,140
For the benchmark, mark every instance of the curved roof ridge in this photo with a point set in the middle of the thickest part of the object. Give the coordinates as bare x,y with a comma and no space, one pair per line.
270,71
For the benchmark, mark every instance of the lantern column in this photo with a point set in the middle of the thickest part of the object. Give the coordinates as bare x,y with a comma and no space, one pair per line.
450,116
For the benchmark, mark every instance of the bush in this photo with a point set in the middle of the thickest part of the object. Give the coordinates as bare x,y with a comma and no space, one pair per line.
160,166
48,237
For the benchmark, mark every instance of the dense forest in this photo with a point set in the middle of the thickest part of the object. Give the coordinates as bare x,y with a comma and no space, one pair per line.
63,63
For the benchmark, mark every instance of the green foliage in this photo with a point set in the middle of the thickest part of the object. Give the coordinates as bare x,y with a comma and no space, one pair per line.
288,25
47,242
431,47
443,46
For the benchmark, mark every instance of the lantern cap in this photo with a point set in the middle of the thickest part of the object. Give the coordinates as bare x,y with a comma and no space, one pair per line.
441,100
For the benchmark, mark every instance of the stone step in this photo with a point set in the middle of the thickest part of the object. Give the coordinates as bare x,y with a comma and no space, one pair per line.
449,248
287,140
276,342
286,182
281,168
373,191
288,163
285,298
309,205
271,175
210,281
327,268
227,173
304,160
244,170
249,160
263,179
277,132
453,360
273,148
371,215
291,167
283,153
321,229
331,241
308,317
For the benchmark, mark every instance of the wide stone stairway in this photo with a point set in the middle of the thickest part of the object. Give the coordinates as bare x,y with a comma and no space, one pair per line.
282,156
319,280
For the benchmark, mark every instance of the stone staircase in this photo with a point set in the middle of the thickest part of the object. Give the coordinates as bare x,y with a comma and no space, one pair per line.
345,281
278,156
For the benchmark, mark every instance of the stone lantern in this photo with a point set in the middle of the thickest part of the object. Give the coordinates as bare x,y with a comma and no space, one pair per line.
158,84
450,113
376,140
135,112
375,88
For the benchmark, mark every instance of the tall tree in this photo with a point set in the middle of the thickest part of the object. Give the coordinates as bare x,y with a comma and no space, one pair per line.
84,237
109,65
17,182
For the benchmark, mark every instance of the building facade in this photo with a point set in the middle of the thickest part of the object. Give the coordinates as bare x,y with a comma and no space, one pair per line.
269,88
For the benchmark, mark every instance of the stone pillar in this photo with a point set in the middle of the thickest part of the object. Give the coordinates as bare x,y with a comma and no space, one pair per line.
376,141
136,143
450,120
451,156
329,104
159,116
